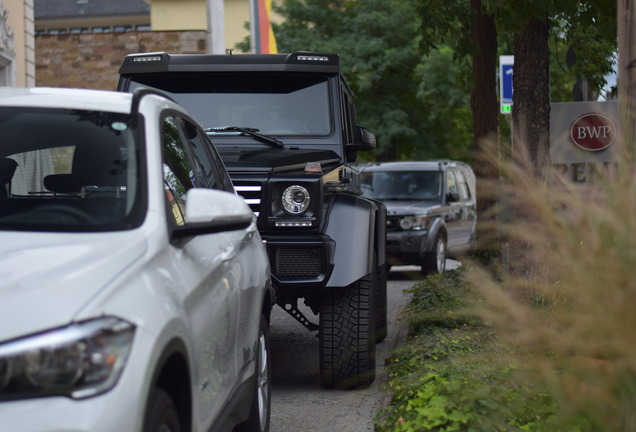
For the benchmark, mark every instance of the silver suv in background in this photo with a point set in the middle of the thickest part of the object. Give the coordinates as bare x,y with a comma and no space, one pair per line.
431,210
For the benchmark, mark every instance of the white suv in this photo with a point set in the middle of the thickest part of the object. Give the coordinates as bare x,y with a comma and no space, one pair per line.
134,286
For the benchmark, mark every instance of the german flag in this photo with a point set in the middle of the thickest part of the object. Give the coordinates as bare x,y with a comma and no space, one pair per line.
264,40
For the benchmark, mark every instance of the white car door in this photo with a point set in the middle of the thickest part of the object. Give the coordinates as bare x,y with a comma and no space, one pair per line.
207,269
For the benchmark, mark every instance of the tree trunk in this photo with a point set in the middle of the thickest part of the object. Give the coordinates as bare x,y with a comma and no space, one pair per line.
485,110
627,72
531,97
530,144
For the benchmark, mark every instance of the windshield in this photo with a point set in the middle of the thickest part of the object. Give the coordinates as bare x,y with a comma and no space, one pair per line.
271,103
402,185
68,170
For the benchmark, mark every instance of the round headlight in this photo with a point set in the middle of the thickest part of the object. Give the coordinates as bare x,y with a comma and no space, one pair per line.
295,199
406,223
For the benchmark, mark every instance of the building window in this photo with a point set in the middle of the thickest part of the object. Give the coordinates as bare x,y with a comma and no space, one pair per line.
78,30
57,31
101,29
143,27
122,28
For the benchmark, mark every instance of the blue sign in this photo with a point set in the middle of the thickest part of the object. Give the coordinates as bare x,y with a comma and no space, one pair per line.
506,64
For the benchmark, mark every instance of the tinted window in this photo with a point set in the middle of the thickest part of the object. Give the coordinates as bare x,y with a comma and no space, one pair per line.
277,104
451,184
207,162
348,118
178,176
69,170
464,192
402,185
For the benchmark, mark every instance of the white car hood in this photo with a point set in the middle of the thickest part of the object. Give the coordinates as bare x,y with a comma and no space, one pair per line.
46,279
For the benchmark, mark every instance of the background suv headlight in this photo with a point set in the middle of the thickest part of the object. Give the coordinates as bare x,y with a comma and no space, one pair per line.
414,223
80,360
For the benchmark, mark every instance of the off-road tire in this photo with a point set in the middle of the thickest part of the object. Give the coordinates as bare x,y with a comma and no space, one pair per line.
381,327
258,421
161,413
346,333
434,262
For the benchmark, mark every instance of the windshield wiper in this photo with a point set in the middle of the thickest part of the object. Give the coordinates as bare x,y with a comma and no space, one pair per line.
247,131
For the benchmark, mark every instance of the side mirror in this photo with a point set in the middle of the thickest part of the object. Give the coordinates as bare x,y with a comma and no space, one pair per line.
365,140
452,196
209,211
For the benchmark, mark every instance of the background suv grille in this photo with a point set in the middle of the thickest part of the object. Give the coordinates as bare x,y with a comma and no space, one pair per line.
393,223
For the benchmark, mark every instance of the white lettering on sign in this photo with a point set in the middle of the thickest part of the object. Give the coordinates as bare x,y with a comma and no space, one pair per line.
587,172
593,132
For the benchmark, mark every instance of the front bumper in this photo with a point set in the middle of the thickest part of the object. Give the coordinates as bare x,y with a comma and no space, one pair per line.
300,263
118,410
406,247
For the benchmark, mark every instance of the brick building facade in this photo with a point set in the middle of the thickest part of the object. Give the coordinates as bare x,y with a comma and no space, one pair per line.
93,60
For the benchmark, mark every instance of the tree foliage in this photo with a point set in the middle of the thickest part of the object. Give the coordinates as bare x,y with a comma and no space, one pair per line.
588,27
398,87
409,61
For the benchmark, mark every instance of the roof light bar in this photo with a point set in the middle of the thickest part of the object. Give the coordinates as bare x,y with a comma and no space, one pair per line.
304,57
293,224
140,59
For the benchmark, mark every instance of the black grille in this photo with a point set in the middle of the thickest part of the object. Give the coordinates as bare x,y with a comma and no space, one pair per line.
296,262
393,223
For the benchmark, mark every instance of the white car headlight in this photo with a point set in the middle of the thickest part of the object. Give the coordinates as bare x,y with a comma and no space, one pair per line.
295,199
80,360
414,223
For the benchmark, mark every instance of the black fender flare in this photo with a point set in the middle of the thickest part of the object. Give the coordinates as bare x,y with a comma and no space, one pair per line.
352,225
380,232
436,227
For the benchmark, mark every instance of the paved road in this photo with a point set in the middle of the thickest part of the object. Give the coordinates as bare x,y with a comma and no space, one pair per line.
299,403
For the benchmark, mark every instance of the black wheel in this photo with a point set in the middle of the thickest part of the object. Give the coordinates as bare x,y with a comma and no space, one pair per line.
347,341
258,421
434,262
161,414
381,328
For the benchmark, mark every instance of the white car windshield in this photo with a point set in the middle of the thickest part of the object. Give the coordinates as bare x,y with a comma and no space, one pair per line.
68,170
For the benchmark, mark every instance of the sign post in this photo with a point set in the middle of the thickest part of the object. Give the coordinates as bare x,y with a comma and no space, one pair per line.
506,64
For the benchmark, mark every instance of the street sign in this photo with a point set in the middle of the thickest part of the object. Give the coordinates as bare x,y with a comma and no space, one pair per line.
505,83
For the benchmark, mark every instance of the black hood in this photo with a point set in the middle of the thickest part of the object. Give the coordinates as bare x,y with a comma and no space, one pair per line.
273,160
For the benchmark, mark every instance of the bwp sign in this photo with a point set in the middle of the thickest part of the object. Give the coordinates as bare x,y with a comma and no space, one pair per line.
593,132
582,140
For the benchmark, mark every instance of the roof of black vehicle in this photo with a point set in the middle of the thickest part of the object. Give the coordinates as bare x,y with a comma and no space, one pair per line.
164,62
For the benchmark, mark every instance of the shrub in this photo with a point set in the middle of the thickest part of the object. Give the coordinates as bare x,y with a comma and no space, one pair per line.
454,374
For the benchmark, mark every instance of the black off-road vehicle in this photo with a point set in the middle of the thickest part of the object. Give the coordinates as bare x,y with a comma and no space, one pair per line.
286,130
